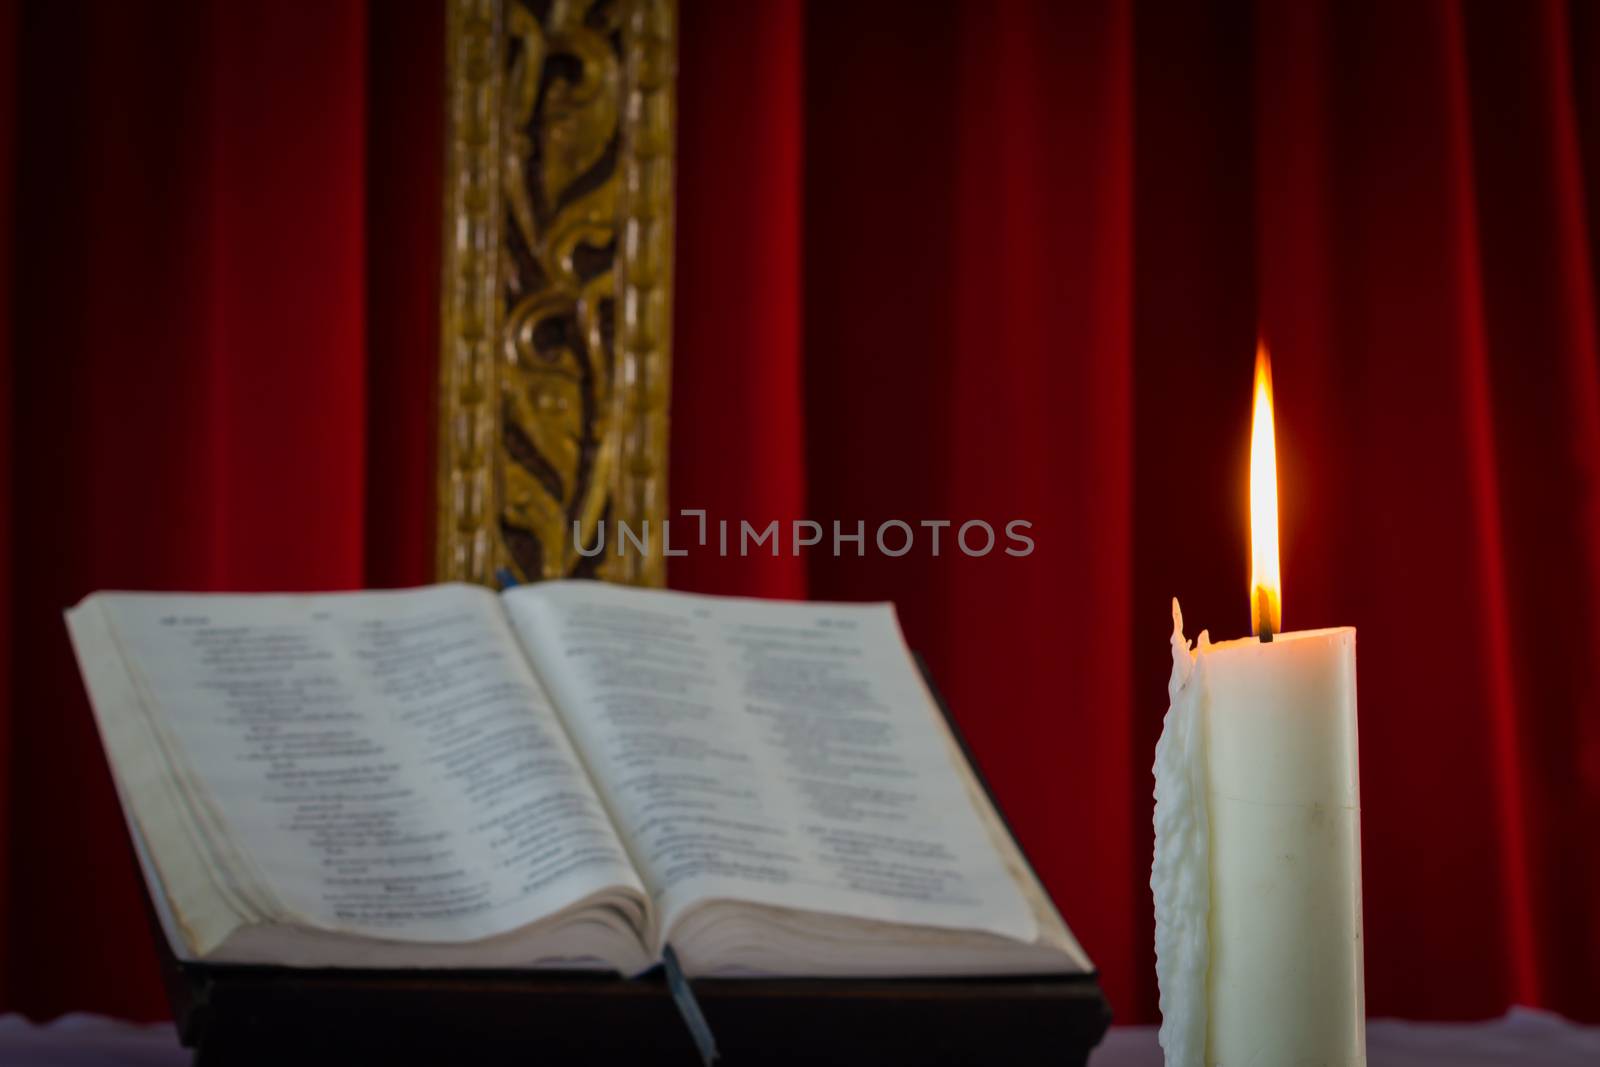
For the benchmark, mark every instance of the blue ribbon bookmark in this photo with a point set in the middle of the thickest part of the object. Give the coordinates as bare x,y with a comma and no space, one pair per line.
688,1007
506,578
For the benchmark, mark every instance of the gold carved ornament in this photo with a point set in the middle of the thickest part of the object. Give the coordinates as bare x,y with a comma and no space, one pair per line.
556,289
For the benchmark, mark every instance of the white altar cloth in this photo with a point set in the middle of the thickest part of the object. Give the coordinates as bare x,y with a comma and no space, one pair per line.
1521,1038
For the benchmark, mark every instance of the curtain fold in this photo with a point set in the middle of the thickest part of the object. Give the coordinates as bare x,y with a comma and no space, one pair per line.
738,438
9,22
404,190
937,262
1038,428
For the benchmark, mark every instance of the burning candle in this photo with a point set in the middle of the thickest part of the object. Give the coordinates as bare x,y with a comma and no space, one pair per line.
1257,872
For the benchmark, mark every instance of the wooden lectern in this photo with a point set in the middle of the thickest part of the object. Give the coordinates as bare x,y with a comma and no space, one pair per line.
259,1016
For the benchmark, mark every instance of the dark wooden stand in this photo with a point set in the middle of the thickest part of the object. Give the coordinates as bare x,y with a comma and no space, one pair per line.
251,1015
277,1015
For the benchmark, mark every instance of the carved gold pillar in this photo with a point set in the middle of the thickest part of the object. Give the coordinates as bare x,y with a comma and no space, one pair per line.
556,288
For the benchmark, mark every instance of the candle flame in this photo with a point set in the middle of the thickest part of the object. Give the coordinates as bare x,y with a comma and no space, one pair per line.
1266,588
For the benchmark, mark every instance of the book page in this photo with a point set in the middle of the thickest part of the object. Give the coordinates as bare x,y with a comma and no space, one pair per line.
385,764
783,754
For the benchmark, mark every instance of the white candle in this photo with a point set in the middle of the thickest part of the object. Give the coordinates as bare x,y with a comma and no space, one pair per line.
1257,872
1257,875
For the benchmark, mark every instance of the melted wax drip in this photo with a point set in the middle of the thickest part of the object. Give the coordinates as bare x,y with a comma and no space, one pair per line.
1180,877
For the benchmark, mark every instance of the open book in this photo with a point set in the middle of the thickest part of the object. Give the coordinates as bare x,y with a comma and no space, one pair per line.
564,775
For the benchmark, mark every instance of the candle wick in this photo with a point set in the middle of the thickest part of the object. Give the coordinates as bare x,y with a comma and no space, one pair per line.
1262,604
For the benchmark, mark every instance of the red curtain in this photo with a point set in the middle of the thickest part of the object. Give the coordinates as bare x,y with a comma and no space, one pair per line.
223,338
1036,244
936,261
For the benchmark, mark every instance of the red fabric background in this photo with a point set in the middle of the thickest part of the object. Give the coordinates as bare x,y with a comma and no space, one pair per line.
936,261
